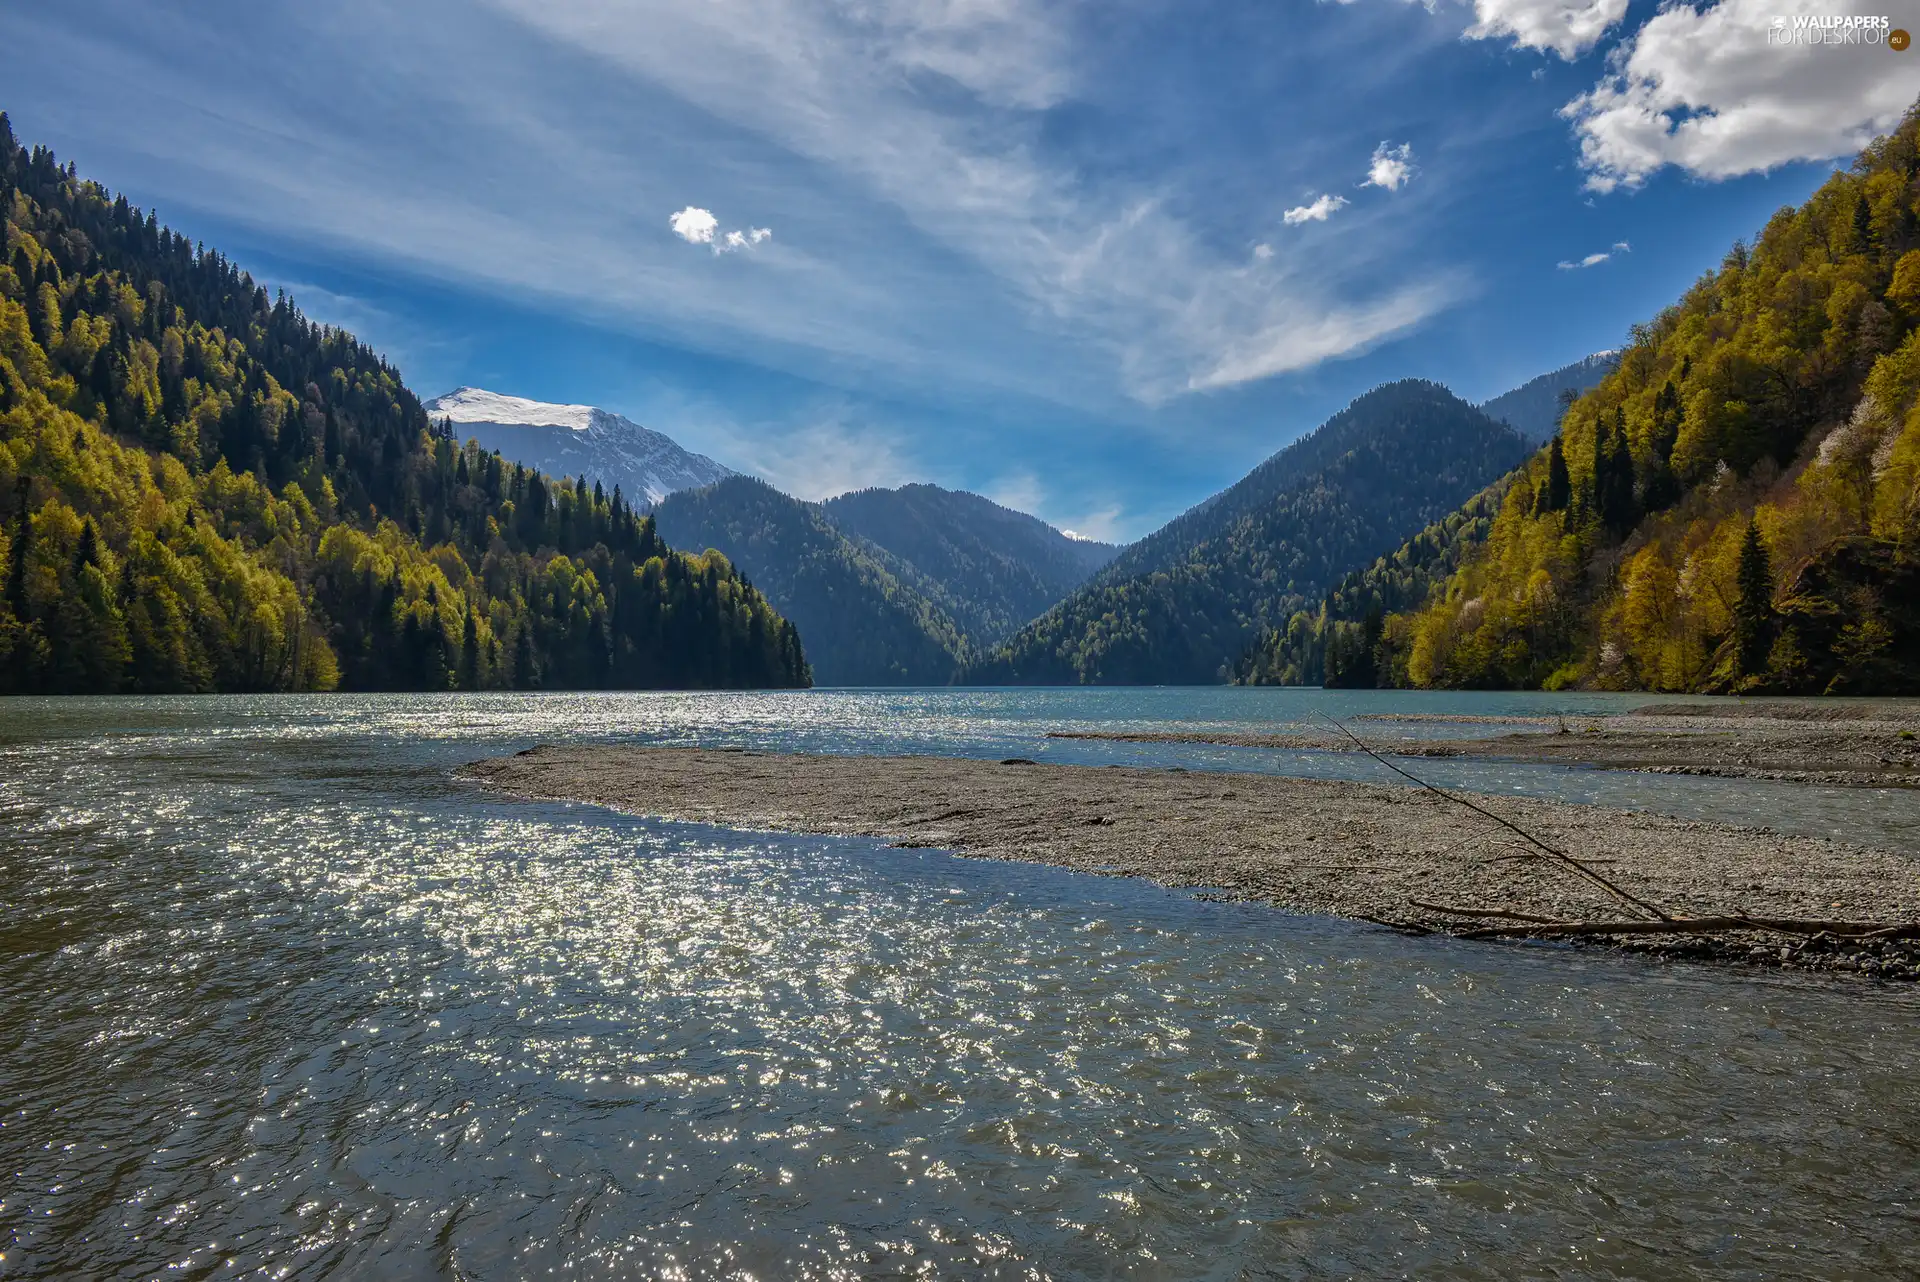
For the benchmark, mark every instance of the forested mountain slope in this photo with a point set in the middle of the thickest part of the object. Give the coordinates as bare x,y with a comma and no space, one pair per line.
866,620
1347,642
202,490
1183,604
991,568
1736,506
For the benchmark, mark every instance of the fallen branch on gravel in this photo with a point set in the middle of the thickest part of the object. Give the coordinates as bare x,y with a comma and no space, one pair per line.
1853,931
1666,923
1559,856
1529,924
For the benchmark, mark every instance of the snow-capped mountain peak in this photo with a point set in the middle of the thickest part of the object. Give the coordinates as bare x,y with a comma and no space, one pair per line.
577,440
478,405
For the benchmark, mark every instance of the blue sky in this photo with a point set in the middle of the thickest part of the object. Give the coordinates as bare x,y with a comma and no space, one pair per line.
1094,260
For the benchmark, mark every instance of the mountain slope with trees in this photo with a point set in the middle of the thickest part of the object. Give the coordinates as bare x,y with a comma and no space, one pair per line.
991,568
202,490
1357,638
1737,506
1183,604
865,616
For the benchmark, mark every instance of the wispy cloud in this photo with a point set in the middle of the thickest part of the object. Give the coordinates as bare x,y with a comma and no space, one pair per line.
1317,210
1097,268
830,455
1283,349
1591,260
1391,166
929,234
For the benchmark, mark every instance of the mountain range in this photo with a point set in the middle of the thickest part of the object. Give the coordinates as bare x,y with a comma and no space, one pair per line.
575,441
889,587
921,585
1181,605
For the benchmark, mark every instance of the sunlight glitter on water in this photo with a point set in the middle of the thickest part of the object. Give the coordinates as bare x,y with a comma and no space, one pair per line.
288,988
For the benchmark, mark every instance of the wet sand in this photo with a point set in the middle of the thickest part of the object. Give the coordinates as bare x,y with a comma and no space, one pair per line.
1361,851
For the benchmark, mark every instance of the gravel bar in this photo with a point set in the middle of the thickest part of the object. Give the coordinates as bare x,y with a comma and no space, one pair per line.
1353,850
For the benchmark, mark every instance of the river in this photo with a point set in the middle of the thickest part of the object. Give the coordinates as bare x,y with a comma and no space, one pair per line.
281,996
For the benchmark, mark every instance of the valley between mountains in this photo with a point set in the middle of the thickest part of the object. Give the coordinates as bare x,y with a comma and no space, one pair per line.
203,490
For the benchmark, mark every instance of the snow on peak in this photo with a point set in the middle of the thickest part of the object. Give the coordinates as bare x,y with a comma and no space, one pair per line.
577,441
478,405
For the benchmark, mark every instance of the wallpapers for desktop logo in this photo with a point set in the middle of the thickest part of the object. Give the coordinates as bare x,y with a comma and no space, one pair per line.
1837,29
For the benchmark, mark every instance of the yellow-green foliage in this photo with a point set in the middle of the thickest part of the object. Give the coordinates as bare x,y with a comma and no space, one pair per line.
202,490
1783,390
178,590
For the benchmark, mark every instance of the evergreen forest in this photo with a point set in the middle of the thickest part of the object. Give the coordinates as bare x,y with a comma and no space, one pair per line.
203,490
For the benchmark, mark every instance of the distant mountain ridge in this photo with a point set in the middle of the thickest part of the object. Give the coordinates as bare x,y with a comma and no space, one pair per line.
989,567
864,615
576,441
1533,409
889,587
1182,605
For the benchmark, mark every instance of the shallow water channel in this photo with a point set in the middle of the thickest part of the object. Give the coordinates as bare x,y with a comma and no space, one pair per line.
280,995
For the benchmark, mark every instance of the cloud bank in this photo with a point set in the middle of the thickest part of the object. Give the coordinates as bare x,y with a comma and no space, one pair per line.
1703,90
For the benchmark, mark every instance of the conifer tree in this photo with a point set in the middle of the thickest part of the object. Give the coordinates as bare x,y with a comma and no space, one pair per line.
1753,613
1559,483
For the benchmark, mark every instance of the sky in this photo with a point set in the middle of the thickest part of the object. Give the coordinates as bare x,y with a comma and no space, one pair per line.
1093,260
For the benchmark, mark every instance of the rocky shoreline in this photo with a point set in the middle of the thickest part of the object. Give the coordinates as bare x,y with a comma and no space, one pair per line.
1369,852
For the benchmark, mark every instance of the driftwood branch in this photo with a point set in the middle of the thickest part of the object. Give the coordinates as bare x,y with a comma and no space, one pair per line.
1560,857
1501,913
1529,924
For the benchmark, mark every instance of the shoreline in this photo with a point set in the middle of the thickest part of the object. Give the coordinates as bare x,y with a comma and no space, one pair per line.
1839,746
1366,852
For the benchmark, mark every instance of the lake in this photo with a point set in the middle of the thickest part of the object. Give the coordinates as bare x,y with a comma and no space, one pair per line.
281,995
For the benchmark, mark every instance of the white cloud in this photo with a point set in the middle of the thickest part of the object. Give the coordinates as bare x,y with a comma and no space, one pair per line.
1263,252
1566,27
1703,90
1622,247
695,226
1591,260
744,239
698,226
1391,167
1318,211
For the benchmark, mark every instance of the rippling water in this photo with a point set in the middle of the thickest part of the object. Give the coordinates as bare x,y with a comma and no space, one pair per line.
279,995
